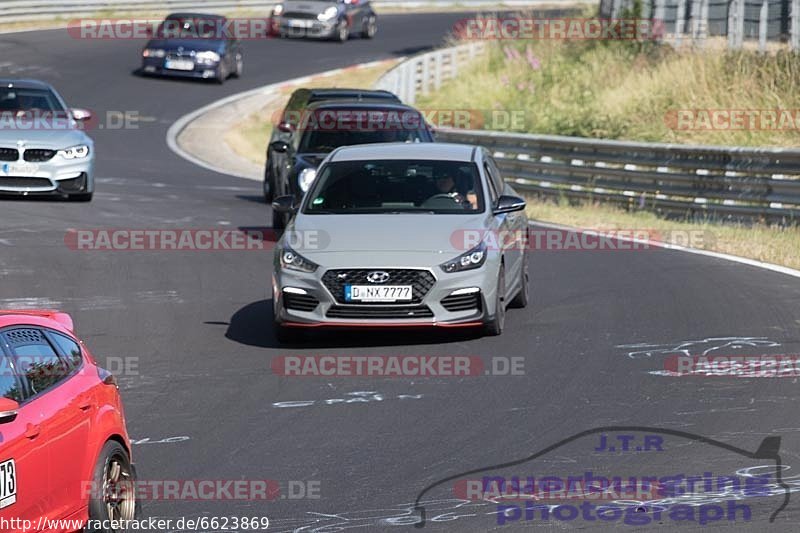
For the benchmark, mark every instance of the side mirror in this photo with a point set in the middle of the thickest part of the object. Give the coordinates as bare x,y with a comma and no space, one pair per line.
81,115
508,204
285,127
279,146
8,410
283,204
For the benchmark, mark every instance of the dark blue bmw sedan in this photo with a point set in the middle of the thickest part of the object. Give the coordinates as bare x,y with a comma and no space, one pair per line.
193,45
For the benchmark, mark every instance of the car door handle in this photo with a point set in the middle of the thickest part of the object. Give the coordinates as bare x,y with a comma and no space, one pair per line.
32,431
84,404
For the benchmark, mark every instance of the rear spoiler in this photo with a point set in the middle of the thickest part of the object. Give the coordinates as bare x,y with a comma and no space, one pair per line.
62,318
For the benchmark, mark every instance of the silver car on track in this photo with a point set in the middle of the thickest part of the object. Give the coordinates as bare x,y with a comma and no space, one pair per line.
401,235
43,148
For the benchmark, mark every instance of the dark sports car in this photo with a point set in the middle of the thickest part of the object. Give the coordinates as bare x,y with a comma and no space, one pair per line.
327,125
193,45
296,108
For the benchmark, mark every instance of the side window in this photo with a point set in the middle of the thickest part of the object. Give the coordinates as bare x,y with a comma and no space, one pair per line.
68,348
9,384
497,177
494,195
35,359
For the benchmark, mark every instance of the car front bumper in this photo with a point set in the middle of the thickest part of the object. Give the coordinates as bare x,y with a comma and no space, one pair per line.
156,67
307,28
303,300
56,176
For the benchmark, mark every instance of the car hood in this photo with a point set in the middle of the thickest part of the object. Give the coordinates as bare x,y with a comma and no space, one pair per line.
43,138
198,45
409,239
307,6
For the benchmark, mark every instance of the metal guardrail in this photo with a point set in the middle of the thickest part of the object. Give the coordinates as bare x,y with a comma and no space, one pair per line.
31,10
425,72
713,181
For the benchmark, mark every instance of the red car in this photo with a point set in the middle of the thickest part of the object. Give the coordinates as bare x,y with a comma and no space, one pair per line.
65,454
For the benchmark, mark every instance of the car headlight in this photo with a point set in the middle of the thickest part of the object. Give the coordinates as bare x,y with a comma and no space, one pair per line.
207,56
328,14
74,152
474,258
153,52
294,261
306,178
277,10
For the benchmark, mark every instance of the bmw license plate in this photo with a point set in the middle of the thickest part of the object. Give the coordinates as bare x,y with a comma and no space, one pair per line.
293,23
8,483
373,293
179,64
18,169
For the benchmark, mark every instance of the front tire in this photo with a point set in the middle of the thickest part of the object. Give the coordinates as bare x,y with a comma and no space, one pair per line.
495,326
237,73
113,489
370,27
522,298
342,32
278,222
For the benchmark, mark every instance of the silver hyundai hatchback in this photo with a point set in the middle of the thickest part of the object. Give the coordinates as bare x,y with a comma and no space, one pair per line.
401,235
43,148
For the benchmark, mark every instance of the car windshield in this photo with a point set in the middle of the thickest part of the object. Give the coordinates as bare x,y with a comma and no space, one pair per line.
189,27
15,100
396,186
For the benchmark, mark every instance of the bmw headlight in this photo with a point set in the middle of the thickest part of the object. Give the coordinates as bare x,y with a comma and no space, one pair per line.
153,52
277,10
306,178
294,261
207,56
474,258
328,14
74,152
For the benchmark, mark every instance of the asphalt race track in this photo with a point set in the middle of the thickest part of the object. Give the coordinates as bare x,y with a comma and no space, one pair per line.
195,330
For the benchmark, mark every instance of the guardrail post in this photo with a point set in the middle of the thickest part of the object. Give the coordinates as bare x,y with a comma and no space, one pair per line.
762,26
453,63
426,74
795,29
660,9
437,70
411,83
680,22
736,24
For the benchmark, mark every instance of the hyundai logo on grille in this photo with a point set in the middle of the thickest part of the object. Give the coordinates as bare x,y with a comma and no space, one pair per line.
378,276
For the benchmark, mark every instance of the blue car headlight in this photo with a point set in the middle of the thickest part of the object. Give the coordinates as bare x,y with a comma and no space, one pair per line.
294,261
474,258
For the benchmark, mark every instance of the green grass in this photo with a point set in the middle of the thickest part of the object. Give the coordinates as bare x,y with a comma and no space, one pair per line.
623,90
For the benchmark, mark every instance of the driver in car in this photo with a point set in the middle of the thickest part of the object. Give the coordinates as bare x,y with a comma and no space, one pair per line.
445,184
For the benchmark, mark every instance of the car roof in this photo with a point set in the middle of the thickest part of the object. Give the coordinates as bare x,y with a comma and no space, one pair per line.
204,16
435,151
48,318
24,83
359,104
356,94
